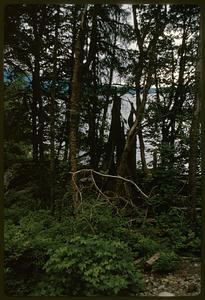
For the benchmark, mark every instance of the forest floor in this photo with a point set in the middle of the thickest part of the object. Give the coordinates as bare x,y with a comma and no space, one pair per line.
184,282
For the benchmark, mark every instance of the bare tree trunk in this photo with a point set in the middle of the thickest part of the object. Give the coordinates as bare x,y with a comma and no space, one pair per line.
38,23
177,99
90,68
67,103
133,154
74,101
116,138
36,89
194,137
52,117
38,29
142,153
125,169
34,117
102,128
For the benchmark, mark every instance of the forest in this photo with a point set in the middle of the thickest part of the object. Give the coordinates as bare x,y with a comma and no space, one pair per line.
102,155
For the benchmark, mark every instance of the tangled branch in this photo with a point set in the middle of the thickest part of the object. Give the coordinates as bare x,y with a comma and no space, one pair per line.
111,176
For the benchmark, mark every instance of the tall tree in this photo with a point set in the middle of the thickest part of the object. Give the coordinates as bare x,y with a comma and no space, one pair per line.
159,15
116,138
193,152
38,23
52,112
75,98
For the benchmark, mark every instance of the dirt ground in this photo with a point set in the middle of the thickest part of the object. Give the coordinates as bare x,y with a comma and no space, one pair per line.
184,282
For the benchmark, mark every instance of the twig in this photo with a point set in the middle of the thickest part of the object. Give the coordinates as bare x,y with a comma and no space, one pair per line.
154,187
77,189
177,193
113,176
93,230
107,198
99,190
145,216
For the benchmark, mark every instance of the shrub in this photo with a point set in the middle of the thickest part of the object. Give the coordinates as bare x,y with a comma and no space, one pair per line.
97,217
42,257
91,266
146,246
14,214
167,262
26,246
176,223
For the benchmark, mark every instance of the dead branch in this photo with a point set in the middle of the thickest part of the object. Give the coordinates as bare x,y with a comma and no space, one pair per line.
152,259
113,176
77,189
91,171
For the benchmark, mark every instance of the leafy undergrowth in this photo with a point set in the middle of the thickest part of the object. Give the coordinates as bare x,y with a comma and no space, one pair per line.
97,253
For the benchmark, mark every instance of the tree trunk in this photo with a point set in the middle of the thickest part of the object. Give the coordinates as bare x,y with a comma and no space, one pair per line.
36,89
74,101
193,153
116,138
92,135
52,117
90,68
177,98
38,28
34,116
133,154
107,100
67,130
142,152
67,103
125,168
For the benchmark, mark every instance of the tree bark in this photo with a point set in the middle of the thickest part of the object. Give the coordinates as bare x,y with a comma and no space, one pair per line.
107,100
52,116
125,168
116,138
177,99
193,152
142,152
90,67
38,28
75,100
67,103
133,154
34,115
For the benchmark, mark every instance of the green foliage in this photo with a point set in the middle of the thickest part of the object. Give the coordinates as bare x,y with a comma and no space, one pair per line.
167,185
23,253
88,255
22,198
146,246
14,214
26,245
101,267
92,254
177,225
167,262
54,258
96,216
15,151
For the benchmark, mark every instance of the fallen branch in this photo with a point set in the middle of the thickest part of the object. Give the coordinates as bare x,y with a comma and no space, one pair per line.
113,176
152,259
99,190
